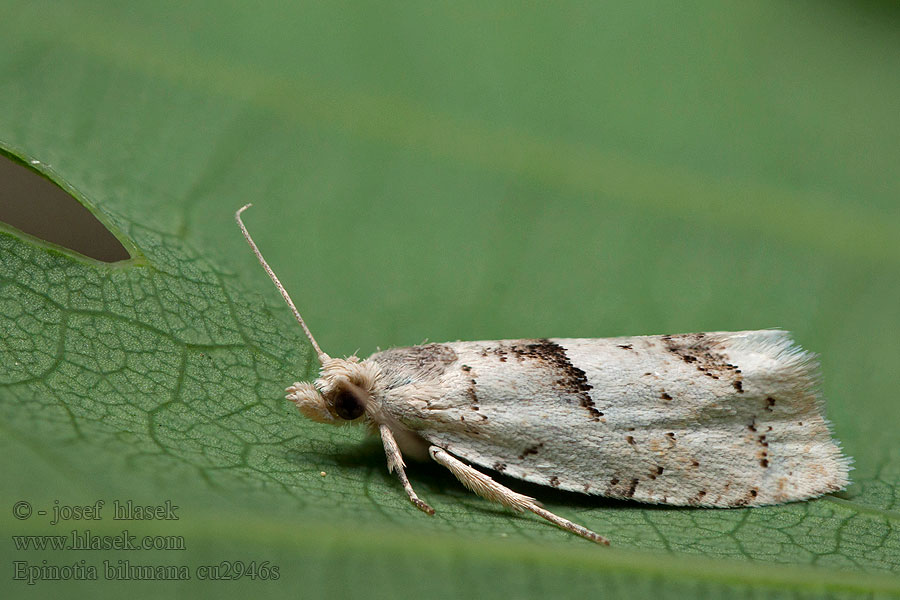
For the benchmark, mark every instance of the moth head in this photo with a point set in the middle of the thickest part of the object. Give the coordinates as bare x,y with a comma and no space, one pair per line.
342,393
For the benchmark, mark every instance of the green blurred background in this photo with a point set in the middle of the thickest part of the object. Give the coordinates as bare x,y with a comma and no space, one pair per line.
440,171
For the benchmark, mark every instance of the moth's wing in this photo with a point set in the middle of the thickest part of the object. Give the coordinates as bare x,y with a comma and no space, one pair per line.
711,419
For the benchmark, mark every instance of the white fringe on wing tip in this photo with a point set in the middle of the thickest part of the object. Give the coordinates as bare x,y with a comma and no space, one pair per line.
792,363
776,349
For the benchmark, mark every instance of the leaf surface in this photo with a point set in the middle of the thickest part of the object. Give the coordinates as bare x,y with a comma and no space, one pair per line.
464,172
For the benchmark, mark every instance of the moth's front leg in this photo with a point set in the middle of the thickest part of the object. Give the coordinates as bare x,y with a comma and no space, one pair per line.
489,489
395,464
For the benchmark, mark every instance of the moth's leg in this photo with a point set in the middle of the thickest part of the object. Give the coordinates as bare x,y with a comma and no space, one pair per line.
489,489
395,465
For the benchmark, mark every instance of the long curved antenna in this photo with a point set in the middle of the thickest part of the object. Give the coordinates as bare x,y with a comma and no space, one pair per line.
237,216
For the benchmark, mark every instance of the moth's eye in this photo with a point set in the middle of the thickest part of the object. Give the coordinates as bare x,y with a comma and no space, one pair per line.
350,402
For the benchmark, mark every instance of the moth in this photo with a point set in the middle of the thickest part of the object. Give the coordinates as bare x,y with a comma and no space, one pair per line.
722,419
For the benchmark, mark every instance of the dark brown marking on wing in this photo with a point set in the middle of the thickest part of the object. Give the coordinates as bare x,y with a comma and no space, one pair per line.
568,377
704,353
665,396
625,346
770,403
499,466
500,352
763,454
554,481
696,498
750,497
472,393
531,450
630,492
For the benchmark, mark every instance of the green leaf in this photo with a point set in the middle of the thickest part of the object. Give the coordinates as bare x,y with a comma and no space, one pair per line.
466,171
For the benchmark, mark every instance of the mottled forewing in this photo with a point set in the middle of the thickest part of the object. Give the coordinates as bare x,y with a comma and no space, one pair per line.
712,419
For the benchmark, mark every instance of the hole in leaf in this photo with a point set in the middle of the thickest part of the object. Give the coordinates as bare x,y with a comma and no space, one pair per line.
33,204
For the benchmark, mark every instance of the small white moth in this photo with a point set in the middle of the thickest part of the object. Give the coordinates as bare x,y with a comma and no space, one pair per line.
702,419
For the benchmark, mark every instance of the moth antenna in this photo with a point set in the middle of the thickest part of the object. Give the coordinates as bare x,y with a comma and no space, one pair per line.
237,216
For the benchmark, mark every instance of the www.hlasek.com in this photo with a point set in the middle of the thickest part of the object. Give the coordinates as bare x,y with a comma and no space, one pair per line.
86,540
